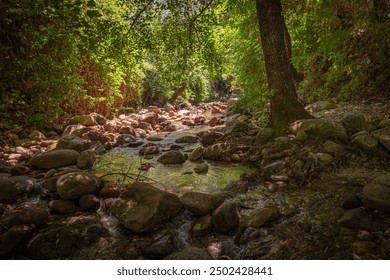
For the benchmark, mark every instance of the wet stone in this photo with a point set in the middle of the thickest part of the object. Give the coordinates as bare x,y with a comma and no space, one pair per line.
160,246
32,214
200,203
262,216
226,217
62,206
201,226
357,218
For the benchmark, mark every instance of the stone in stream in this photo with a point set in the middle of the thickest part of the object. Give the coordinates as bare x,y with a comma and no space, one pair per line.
32,214
359,219
13,237
187,139
142,207
160,246
190,253
226,217
385,141
149,150
210,138
62,206
150,117
377,194
89,202
127,130
122,139
364,141
75,184
201,226
15,187
172,157
273,169
200,203
72,142
201,168
262,216
379,132
196,154
54,159
86,159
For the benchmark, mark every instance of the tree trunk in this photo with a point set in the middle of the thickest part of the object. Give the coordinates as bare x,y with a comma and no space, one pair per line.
285,107
178,92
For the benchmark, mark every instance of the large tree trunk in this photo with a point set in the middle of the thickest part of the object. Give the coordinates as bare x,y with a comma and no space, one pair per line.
285,107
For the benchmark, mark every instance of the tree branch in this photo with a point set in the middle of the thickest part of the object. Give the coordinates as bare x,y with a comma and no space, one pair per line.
137,15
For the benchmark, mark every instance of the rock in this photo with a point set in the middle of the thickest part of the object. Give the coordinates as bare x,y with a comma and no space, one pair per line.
324,157
201,226
379,132
273,169
226,217
262,216
196,154
355,123
19,170
190,253
66,238
385,246
376,196
160,246
172,157
89,202
210,138
54,159
50,184
12,188
383,179
333,148
72,142
72,128
149,150
83,120
74,185
264,136
365,141
384,123
320,106
320,128
187,139
14,237
385,141
99,118
213,121
169,107
351,201
236,187
358,219
154,138
150,117
122,139
142,207
62,206
36,135
200,203
86,159
199,119
127,130
110,127
32,214
201,168
112,190
217,151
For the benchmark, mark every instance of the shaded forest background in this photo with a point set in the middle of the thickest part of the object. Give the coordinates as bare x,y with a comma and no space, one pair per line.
60,58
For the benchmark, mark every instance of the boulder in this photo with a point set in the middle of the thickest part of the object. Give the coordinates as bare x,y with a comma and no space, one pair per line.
150,117
72,142
359,219
122,139
142,207
149,150
383,179
320,129
385,141
201,168
86,120
172,157
196,154
210,138
89,202
364,141
273,169
187,139
75,184
99,118
32,214
62,206
201,226
379,132
66,238
36,135
320,106
127,130
190,253
54,159
264,136
72,128
160,246
376,196
226,217
217,151
13,237
333,148
14,187
262,216
86,159
200,203
355,123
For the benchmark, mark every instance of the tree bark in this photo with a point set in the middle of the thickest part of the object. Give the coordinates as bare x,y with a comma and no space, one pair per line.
178,92
285,107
